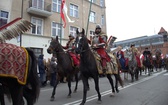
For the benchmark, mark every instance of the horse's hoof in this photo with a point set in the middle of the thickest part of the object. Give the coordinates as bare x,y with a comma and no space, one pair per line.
82,103
69,96
117,90
74,91
52,99
99,102
112,95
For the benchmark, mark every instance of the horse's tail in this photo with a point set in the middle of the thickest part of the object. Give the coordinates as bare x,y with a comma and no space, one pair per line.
33,79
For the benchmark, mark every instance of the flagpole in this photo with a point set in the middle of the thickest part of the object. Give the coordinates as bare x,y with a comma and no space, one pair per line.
88,17
21,17
61,25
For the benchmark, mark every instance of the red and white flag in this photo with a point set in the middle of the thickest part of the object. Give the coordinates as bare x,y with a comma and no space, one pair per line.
64,10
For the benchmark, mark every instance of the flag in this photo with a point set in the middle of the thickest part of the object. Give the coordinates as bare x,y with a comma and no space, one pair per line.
64,10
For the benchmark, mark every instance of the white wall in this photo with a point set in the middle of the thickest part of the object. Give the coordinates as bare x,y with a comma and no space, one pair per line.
35,41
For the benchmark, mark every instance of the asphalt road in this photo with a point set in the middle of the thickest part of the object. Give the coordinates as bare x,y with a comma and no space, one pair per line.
148,90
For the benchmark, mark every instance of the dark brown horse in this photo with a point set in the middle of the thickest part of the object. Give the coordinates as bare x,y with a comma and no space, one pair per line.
30,90
65,67
88,66
158,59
147,62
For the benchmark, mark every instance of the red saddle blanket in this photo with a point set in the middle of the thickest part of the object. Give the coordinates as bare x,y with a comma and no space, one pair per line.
13,62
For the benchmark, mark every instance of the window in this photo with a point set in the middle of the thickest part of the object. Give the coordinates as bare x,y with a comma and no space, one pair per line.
73,10
92,17
39,4
102,20
56,29
73,30
102,3
3,18
56,5
38,26
93,1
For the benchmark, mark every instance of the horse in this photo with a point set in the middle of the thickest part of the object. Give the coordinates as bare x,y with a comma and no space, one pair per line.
88,66
65,66
158,60
147,62
10,83
132,65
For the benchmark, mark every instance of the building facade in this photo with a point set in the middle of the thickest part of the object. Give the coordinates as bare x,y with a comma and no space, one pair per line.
153,42
45,15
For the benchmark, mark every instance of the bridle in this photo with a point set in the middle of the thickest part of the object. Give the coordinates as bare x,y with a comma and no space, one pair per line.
81,46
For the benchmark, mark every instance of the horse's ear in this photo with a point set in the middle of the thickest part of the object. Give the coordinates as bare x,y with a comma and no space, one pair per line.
77,32
83,31
57,38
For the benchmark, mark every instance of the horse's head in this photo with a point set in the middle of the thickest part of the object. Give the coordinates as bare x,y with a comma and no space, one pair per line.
54,46
129,54
81,41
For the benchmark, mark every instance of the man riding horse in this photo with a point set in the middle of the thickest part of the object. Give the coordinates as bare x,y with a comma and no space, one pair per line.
135,51
146,53
99,43
70,47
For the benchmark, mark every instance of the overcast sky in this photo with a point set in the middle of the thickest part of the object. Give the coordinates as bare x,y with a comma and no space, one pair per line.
134,18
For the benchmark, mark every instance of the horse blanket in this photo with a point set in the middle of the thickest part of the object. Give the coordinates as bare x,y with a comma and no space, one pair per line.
13,62
112,66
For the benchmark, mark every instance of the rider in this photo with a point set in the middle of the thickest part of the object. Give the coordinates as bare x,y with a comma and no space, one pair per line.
99,43
70,47
120,56
135,51
146,53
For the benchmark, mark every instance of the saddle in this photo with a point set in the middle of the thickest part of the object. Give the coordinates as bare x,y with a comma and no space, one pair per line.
112,67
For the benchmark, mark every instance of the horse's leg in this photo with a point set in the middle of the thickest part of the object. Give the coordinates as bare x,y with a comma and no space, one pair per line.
76,79
137,73
132,75
119,79
69,85
116,82
2,95
96,80
85,81
88,87
111,83
17,94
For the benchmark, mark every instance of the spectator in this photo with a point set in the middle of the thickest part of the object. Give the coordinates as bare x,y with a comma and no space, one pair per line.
41,68
53,68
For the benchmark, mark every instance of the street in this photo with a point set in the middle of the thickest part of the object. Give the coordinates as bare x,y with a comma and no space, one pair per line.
148,90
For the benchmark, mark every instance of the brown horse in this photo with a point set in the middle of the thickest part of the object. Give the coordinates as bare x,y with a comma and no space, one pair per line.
65,67
158,60
10,83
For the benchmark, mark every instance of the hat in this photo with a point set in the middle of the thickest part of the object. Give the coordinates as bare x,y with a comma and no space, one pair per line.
98,26
132,45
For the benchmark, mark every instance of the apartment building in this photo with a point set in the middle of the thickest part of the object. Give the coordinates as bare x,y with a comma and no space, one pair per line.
45,15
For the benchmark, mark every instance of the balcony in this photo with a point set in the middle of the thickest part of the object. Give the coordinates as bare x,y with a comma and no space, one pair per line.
39,7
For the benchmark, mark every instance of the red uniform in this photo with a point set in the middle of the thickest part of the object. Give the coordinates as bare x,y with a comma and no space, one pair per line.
98,43
70,49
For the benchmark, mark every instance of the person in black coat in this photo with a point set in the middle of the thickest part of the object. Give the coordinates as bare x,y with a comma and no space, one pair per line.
41,69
